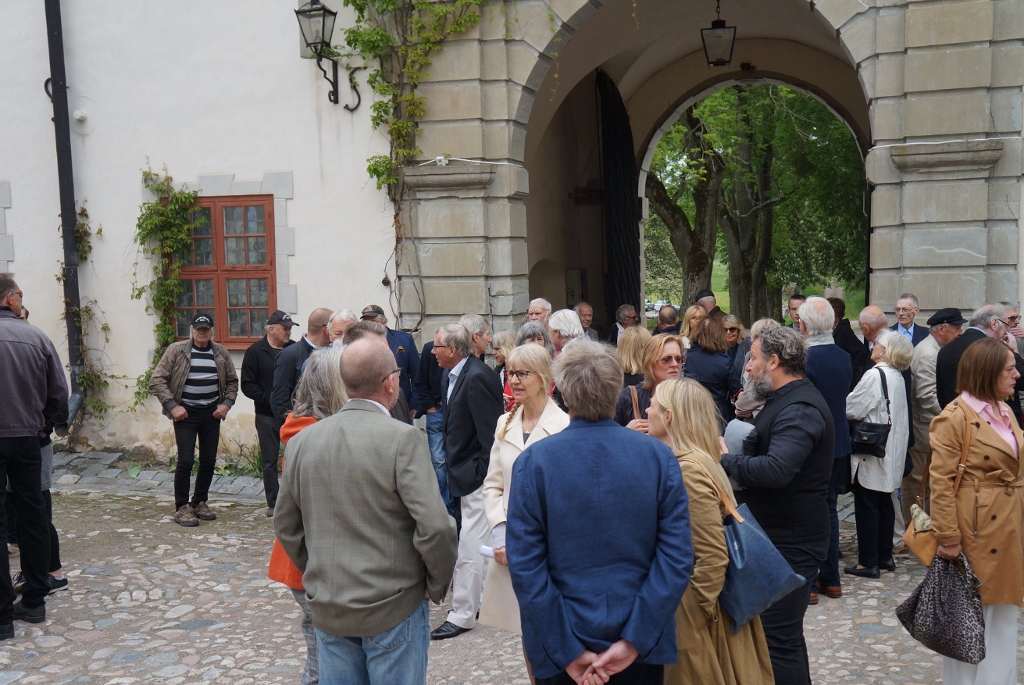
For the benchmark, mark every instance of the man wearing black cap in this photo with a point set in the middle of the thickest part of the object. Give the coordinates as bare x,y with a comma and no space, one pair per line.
195,382
402,346
706,299
946,325
257,385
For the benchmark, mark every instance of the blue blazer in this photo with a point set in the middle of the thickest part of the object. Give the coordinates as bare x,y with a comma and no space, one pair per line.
408,359
713,370
918,333
830,370
598,544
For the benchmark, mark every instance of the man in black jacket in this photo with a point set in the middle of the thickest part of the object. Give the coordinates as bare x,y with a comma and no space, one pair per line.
785,474
290,362
845,338
258,384
988,320
472,404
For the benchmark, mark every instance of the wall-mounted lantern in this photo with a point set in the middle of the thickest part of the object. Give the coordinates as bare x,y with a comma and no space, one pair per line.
316,21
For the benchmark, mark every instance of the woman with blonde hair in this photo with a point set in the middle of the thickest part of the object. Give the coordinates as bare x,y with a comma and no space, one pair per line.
683,416
533,417
687,326
631,354
663,359
739,346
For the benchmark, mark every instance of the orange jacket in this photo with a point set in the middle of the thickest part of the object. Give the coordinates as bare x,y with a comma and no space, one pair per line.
281,567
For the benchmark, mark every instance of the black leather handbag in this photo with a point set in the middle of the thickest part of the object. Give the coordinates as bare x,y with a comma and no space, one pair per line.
870,438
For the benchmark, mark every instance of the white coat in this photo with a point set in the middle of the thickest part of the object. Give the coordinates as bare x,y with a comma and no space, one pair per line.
866,403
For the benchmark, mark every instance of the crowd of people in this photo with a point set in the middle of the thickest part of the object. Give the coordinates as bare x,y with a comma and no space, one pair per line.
574,493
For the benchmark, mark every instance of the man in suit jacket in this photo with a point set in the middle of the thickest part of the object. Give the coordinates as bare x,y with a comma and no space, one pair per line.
845,338
946,326
402,346
597,589
907,309
359,515
987,321
586,314
625,316
291,361
472,405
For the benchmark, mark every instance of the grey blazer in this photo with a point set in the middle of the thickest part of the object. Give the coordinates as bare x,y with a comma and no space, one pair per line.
361,516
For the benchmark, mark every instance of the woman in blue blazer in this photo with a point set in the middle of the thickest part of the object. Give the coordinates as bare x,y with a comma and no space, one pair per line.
708,363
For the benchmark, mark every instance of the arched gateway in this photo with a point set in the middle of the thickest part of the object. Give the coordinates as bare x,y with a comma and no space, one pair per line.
932,91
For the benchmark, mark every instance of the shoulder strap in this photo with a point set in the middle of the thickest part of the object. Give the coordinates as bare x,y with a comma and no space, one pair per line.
961,467
721,493
636,402
885,392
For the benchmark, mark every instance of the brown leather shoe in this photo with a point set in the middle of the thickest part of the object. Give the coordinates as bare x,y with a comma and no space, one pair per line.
902,550
830,591
813,600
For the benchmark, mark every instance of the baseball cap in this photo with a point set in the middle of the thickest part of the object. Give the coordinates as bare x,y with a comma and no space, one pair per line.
281,318
373,310
202,321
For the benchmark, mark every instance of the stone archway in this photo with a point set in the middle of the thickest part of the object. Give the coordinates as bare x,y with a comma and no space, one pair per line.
941,128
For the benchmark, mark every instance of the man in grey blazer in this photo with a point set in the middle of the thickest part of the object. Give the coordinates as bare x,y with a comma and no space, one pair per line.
360,515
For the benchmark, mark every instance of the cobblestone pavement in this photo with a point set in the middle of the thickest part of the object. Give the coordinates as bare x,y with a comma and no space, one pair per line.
150,601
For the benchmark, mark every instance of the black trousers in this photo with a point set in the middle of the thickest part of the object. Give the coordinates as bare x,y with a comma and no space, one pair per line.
635,674
199,424
12,527
268,430
20,463
783,622
876,517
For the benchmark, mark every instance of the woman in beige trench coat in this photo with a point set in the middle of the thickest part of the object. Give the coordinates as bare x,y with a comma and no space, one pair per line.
985,518
683,416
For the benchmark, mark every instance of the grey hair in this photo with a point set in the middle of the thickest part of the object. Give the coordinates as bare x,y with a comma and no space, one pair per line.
458,336
566,322
532,329
875,320
7,285
320,392
899,352
789,346
909,296
341,315
983,315
582,304
710,299
589,376
504,340
540,301
817,315
761,326
623,309
475,324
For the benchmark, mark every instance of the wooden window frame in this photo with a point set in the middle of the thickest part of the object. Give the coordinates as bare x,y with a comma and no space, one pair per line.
220,272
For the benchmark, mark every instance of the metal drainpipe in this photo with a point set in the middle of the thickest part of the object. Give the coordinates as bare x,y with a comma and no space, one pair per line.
66,185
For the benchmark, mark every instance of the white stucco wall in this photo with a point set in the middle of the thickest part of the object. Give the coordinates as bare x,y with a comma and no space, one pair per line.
205,89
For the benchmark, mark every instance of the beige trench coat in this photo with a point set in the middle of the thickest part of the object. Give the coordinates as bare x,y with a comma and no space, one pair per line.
987,514
709,653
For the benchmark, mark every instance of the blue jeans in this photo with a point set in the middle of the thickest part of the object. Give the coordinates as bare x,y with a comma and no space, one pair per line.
435,438
394,657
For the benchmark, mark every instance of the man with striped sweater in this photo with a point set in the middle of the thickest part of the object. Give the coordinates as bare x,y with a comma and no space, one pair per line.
196,383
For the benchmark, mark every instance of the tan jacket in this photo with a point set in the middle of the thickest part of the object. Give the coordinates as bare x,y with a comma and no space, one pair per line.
924,397
708,651
360,515
169,376
987,515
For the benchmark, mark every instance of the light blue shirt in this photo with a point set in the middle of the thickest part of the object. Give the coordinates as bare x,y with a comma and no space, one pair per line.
453,376
908,333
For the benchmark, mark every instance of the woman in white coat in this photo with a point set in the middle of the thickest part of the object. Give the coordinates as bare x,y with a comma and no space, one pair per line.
876,479
533,416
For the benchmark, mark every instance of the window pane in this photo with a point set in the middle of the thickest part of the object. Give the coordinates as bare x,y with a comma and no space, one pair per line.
232,221
258,293
238,323
234,251
203,251
254,220
201,222
185,296
205,294
257,320
183,319
257,250
236,292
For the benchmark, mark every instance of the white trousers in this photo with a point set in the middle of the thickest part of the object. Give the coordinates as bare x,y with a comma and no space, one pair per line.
899,527
999,667
470,566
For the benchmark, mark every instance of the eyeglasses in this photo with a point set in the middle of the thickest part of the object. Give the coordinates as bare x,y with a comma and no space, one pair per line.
668,359
732,330
19,294
905,310
390,375
1013,319
521,375
631,316
1005,323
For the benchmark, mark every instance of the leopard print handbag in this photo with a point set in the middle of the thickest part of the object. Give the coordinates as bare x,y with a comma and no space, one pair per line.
944,613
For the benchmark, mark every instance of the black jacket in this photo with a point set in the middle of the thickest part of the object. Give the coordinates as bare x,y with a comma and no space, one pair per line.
287,371
258,374
470,419
948,361
860,359
428,382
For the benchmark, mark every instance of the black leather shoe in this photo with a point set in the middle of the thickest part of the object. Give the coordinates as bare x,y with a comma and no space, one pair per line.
888,565
7,632
870,572
447,630
33,615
